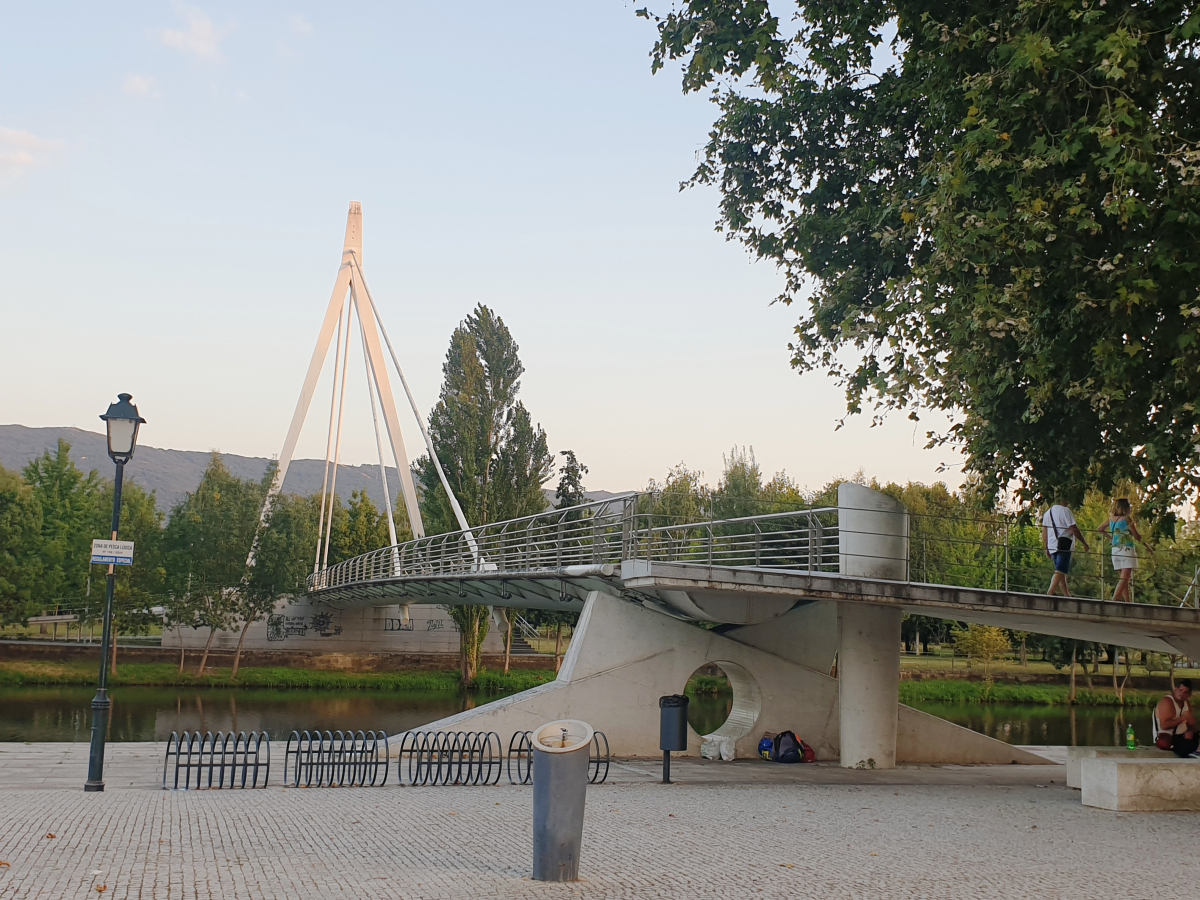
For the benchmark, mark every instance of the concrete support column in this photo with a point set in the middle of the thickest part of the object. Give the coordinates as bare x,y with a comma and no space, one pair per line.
868,684
872,543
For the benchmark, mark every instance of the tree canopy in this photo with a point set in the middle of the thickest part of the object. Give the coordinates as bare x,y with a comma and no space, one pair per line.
995,207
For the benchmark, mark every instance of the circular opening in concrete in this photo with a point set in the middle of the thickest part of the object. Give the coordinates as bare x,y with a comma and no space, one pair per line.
725,705
710,699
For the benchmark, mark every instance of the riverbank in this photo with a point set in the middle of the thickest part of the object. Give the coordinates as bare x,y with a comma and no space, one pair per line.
977,692
79,672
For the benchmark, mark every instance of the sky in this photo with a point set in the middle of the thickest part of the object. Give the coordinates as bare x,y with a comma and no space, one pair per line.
174,181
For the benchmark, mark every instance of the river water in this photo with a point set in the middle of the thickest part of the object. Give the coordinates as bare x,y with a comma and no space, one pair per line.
149,714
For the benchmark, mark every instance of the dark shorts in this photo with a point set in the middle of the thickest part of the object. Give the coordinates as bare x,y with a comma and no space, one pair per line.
1062,562
1182,745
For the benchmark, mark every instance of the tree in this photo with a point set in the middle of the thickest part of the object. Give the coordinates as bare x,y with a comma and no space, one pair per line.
495,459
570,490
137,589
208,537
985,643
1001,223
20,537
69,503
283,561
357,530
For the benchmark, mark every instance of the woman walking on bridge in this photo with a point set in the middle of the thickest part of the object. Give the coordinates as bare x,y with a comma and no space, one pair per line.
1123,532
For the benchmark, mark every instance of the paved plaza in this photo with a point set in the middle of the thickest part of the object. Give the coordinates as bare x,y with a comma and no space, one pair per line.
731,830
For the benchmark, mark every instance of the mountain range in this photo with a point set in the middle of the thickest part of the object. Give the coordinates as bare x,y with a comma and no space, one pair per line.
173,473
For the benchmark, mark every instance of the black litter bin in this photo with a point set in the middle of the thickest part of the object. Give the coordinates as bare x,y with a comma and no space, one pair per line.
672,729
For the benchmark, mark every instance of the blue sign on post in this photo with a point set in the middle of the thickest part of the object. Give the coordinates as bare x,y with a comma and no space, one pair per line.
112,553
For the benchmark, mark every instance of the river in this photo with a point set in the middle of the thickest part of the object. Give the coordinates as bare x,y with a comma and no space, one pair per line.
152,713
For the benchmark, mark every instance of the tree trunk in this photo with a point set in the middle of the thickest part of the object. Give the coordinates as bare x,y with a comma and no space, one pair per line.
1024,654
1171,670
558,647
507,641
181,651
237,656
1071,695
112,666
207,644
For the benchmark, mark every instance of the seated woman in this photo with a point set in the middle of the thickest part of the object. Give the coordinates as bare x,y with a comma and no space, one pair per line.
1174,723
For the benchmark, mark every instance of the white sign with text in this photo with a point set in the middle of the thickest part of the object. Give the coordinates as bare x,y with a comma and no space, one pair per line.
112,553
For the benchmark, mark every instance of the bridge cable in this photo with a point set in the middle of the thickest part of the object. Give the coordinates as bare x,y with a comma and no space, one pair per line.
458,512
337,445
328,441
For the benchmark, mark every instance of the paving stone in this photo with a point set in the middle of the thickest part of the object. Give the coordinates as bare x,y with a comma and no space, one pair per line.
949,832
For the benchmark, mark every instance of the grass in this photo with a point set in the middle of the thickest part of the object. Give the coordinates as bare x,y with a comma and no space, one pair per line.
707,684
22,672
1040,694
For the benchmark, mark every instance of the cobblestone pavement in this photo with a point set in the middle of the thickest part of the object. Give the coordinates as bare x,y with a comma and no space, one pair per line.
988,832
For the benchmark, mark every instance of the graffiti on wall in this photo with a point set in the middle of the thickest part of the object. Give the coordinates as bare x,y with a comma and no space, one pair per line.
281,627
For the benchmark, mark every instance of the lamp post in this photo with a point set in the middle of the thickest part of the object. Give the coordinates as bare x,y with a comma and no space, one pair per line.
122,420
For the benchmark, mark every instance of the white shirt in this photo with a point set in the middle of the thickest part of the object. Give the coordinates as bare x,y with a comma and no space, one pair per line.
1057,516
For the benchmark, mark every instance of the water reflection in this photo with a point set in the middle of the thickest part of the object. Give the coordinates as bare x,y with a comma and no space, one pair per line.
146,714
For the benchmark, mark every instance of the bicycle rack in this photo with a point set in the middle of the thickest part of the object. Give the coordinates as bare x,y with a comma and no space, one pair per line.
231,759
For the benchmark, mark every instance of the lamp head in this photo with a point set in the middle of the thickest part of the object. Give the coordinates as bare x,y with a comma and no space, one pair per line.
122,420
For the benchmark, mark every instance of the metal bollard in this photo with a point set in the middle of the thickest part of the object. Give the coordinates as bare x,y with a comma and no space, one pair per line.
561,752
672,728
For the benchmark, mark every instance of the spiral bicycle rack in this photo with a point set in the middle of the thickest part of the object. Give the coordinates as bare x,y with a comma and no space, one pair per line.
336,759
449,757
225,761
520,752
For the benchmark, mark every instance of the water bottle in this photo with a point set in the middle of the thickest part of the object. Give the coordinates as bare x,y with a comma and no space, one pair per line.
1130,740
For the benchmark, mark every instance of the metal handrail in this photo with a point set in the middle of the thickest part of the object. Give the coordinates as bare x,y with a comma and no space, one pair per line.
604,531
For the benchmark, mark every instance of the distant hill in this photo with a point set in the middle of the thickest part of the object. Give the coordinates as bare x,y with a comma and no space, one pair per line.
172,473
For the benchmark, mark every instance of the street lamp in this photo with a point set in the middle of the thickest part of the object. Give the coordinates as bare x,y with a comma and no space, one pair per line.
122,420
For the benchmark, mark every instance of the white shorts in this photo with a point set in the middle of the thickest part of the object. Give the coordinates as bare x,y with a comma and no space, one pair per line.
1124,558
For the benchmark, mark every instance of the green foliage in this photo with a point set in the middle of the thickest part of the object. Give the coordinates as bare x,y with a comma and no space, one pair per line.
494,458
208,537
985,643
953,691
72,515
1002,222
275,678
20,534
357,530
570,490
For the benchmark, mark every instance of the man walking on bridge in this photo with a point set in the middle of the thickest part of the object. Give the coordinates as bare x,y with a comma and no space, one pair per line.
1059,533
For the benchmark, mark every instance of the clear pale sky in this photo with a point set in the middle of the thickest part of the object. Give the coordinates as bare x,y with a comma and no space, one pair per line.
173,190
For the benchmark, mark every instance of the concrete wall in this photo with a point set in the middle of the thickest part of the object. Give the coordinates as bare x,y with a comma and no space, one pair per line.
303,625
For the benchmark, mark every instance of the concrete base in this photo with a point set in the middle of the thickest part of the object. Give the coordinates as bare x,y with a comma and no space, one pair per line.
624,657
1141,784
1075,755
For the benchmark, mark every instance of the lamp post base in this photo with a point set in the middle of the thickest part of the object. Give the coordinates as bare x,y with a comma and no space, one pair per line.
101,705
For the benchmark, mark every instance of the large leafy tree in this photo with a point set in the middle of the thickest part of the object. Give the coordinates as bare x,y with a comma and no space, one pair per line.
494,457
206,541
996,211
70,504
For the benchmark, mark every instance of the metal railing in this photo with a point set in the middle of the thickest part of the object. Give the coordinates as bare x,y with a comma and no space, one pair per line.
449,757
635,526
336,759
231,760
520,757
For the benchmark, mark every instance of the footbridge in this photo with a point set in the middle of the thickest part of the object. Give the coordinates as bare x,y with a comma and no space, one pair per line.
783,594
788,592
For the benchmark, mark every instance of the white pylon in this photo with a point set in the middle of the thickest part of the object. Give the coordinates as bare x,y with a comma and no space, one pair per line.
338,316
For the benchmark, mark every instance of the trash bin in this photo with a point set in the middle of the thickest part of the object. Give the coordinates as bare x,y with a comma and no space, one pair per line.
561,751
672,728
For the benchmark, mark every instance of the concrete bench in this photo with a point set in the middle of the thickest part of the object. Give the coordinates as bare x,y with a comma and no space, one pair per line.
1076,754
1140,784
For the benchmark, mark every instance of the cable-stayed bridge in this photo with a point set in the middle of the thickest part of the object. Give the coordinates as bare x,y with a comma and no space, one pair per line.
790,593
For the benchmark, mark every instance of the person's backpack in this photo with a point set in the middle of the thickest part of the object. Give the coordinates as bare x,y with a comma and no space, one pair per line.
786,748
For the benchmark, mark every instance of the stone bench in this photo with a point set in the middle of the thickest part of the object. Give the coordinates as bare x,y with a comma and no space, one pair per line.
1076,754
1140,784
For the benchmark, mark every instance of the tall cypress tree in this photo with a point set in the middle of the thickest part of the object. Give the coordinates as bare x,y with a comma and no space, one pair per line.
495,457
